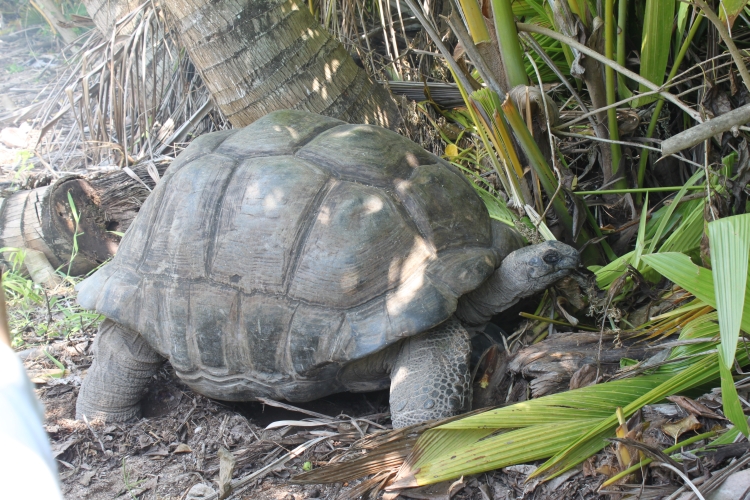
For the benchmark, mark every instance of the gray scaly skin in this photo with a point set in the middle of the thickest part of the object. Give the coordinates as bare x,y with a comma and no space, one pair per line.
430,374
430,377
114,385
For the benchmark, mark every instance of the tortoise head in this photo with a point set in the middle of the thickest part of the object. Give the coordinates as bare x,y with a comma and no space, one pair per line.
522,273
536,267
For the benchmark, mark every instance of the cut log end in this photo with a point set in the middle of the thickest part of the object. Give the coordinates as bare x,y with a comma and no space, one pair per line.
43,220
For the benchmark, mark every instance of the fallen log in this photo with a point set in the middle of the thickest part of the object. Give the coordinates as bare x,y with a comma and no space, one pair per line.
43,219
63,221
121,193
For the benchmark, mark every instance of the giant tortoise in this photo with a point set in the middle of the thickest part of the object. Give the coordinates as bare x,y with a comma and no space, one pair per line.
302,256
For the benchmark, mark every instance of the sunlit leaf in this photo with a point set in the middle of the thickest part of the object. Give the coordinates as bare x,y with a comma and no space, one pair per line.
700,372
687,236
551,423
594,401
640,242
670,209
697,280
479,455
730,247
682,17
497,209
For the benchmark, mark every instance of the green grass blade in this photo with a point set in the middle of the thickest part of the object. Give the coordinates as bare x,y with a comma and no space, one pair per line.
700,372
687,237
487,107
657,111
433,444
682,17
670,210
622,18
730,247
519,446
730,400
640,241
610,79
452,450
496,207
679,269
475,21
510,45
591,401
655,43
540,166
548,425
697,280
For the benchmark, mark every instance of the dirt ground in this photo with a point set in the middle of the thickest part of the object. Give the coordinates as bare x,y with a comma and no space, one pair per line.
175,446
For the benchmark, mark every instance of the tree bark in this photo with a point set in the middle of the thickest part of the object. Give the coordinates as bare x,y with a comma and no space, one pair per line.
105,13
257,56
121,196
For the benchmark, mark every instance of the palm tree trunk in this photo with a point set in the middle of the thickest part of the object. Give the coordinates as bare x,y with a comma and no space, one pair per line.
105,13
257,56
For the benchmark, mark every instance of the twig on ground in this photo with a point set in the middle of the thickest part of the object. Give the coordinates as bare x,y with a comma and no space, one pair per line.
704,131
96,436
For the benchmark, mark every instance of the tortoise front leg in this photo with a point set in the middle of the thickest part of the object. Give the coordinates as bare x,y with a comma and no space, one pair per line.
115,383
430,378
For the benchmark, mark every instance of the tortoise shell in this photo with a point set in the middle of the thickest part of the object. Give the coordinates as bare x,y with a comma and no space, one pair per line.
269,257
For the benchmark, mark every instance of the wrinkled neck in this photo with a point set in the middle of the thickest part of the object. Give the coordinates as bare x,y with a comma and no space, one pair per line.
499,292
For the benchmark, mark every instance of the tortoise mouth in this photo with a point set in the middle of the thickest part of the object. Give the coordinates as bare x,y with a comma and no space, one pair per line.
570,264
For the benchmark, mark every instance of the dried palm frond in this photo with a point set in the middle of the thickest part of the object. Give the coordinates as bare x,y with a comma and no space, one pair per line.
125,99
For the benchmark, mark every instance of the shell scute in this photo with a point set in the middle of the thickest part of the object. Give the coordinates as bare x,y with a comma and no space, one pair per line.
181,352
359,246
445,208
271,199
200,146
312,338
365,330
265,321
366,154
418,305
182,227
212,323
279,133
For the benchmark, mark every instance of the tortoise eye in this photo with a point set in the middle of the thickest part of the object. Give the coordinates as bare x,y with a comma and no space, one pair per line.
551,257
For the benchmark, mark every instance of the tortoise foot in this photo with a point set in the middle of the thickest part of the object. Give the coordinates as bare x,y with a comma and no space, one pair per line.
115,383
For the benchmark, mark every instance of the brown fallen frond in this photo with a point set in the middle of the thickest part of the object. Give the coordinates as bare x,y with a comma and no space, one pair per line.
384,453
125,98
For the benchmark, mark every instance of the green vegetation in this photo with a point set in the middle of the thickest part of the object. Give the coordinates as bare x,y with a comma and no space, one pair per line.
14,68
36,315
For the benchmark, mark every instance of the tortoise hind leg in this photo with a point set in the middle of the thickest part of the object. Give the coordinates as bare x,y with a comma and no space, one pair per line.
430,378
123,364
